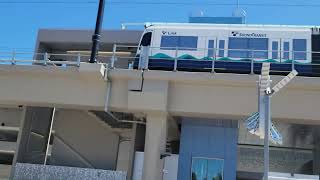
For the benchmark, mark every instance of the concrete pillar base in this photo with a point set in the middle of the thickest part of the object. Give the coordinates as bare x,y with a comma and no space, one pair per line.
155,145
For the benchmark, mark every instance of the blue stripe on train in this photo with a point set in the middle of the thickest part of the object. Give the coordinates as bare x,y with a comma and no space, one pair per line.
227,67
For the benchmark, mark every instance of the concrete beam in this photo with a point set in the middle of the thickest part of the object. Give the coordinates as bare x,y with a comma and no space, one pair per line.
223,96
206,95
51,86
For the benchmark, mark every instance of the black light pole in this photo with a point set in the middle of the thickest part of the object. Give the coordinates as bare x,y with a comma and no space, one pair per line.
96,36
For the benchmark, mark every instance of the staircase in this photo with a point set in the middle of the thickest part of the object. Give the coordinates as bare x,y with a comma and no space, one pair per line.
9,129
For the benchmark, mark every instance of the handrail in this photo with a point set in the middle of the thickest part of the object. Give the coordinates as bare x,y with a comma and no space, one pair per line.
117,59
226,49
15,58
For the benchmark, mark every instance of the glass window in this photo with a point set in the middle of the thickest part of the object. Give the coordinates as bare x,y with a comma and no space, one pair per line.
146,39
299,49
169,42
181,42
286,48
238,47
221,48
275,48
215,169
260,47
248,47
199,169
210,48
188,42
205,169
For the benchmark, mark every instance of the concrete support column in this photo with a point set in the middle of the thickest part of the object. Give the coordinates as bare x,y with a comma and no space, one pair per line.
132,151
155,145
35,130
34,136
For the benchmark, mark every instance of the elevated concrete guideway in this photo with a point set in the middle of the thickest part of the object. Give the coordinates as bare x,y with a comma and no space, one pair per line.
36,85
177,93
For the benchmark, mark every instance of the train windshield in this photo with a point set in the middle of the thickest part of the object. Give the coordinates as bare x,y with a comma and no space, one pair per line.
146,39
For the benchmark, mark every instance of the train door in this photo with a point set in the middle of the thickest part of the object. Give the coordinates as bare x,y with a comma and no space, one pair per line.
286,50
275,49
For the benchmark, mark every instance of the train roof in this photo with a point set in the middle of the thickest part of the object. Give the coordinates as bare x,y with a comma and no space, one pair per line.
228,26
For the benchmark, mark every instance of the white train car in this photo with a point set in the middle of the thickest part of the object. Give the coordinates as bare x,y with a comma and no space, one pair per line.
230,46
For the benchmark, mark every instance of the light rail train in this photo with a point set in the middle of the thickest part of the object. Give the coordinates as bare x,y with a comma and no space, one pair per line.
233,48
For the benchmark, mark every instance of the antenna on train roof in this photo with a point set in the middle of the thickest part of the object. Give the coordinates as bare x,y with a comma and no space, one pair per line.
197,13
238,12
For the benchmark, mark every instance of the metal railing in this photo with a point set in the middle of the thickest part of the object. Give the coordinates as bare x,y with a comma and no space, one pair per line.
45,59
177,59
243,60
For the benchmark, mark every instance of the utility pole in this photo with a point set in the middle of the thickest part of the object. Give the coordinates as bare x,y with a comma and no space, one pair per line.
267,91
264,125
96,36
267,123
259,123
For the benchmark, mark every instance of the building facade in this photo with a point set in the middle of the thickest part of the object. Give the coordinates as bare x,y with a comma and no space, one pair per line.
164,125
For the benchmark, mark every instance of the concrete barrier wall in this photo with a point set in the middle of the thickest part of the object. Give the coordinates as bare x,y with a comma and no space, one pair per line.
41,172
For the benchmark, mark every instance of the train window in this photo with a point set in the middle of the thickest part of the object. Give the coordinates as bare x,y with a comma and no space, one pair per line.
188,42
146,39
210,48
260,47
238,47
169,42
181,42
286,49
248,47
299,49
275,47
221,48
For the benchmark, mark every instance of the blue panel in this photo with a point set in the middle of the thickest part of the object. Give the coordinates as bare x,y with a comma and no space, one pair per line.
208,139
217,20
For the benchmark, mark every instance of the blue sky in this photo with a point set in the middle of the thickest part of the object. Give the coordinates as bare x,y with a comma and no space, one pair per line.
20,22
